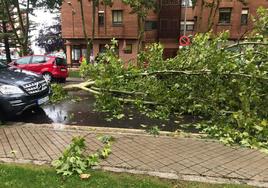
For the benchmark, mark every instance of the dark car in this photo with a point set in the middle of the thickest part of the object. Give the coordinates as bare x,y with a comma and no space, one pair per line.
51,67
20,90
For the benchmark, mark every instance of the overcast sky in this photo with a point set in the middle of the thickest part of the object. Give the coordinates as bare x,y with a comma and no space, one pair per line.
41,17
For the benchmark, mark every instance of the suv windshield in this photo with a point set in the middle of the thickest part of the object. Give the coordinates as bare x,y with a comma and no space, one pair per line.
2,65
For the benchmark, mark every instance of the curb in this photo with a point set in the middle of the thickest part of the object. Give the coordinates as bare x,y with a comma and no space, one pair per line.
94,129
163,175
185,177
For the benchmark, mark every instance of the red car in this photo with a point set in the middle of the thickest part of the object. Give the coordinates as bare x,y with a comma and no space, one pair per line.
50,67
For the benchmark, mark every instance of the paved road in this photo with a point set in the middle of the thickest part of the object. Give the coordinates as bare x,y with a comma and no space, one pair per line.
183,158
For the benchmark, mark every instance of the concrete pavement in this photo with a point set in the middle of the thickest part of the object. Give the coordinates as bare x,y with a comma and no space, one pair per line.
135,152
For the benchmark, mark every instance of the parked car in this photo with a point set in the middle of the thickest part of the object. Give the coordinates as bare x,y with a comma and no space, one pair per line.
51,67
20,90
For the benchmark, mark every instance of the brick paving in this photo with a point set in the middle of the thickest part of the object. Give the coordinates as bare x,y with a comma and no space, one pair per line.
180,156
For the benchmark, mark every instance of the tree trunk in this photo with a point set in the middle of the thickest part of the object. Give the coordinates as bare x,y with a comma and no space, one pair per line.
6,42
212,19
24,49
21,32
200,18
84,31
141,33
93,25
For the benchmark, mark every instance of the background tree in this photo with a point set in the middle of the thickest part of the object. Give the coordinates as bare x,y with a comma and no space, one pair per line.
50,38
212,6
141,8
94,5
88,45
5,34
18,13
52,5
261,21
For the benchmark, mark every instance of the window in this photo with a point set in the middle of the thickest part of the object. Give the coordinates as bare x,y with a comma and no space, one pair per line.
117,17
24,60
225,15
101,18
170,2
76,53
189,26
128,49
150,25
84,52
244,17
102,48
38,59
187,3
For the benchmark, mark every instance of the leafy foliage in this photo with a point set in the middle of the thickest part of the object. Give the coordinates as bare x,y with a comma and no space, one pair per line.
261,21
21,25
155,131
49,4
141,8
74,160
50,38
226,84
58,93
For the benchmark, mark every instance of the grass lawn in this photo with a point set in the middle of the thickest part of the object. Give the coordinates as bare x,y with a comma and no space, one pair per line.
74,74
21,176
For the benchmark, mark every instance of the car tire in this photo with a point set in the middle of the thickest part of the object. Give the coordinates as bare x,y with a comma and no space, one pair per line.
48,76
62,80
2,117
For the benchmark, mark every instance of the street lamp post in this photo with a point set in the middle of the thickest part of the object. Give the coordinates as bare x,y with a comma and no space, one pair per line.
185,17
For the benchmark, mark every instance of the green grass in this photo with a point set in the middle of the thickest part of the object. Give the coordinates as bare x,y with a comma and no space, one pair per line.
21,176
74,74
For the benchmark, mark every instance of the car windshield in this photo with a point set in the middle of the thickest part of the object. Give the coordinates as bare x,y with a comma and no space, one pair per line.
2,65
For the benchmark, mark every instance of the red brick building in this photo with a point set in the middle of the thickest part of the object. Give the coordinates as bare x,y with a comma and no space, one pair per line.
232,15
174,18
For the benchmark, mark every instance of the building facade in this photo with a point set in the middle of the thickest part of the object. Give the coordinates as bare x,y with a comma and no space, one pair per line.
173,19
221,15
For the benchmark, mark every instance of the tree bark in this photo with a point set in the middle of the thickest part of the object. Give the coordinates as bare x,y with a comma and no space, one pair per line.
211,22
22,38
141,33
84,31
6,42
93,24
200,18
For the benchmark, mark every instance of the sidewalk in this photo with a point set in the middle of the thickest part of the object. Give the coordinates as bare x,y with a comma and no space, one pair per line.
175,158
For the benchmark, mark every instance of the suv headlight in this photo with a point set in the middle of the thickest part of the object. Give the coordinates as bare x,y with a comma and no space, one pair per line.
10,90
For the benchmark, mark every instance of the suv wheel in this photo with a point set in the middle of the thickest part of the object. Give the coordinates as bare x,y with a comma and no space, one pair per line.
47,76
2,119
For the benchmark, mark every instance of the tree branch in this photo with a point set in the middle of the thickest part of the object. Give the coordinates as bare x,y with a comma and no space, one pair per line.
245,43
201,72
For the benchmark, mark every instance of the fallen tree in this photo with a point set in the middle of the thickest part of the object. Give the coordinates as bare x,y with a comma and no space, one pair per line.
225,84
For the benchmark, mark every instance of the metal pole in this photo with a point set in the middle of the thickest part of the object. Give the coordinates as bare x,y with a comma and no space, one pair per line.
185,16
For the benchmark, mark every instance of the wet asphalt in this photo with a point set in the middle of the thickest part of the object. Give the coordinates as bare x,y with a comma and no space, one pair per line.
80,111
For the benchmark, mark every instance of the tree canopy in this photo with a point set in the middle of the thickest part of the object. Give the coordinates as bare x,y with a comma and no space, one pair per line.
50,38
141,8
224,84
